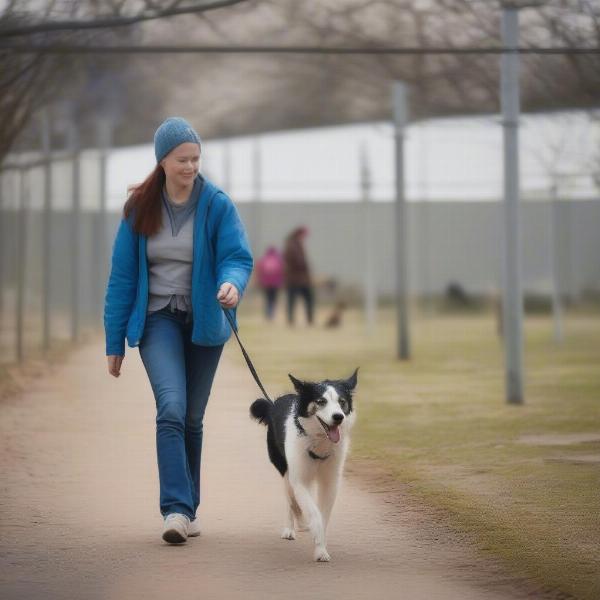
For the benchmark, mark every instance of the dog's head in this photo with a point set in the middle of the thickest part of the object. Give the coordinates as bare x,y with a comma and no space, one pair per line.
329,403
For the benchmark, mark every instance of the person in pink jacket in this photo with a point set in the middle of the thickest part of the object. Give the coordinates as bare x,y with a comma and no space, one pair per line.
269,270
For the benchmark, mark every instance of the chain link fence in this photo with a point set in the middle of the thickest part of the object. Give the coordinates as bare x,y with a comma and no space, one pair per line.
53,250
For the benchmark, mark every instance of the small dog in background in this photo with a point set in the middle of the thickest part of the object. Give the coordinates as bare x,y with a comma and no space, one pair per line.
308,436
335,318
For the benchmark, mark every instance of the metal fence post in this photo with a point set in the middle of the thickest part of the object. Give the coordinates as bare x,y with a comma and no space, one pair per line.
105,128
554,259
3,249
512,304
257,199
370,289
401,229
21,263
227,167
46,229
75,230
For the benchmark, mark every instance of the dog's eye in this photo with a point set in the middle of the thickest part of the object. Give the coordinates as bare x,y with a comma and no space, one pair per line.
321,402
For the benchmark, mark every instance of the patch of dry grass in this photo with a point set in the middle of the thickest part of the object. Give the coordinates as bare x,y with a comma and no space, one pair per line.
14,376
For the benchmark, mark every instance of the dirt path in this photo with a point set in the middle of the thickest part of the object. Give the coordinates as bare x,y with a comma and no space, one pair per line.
79,507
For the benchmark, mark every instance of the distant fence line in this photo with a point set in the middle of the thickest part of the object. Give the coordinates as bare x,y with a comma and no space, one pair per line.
53,250
55,237
448,242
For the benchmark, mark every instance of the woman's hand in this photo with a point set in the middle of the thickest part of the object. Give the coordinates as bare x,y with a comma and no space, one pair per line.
114,365
228,295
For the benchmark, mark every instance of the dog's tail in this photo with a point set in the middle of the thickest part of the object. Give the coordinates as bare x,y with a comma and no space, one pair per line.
261,411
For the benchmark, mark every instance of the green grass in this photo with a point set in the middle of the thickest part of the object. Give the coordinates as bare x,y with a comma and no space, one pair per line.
440,422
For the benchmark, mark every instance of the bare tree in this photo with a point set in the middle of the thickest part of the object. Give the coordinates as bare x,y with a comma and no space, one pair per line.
121,13
309,90
250,93
29,81
450,84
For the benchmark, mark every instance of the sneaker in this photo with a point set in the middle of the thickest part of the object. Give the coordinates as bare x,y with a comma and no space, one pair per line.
194,528
176,528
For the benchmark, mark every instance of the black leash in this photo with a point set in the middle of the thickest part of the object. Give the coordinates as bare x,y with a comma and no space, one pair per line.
248,361
232,322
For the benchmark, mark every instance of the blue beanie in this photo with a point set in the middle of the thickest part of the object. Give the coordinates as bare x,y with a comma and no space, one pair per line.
170,134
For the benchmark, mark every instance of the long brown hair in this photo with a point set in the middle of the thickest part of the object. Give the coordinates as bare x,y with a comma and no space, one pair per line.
145,202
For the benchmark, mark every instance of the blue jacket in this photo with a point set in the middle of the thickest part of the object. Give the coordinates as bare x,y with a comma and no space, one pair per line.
221,253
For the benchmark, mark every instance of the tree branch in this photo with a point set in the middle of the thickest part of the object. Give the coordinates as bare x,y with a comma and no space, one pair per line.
144,15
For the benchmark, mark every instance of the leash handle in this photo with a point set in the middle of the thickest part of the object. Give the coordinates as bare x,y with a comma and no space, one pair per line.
248,361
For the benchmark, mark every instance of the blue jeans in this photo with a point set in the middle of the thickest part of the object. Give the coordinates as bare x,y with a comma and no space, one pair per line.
181,375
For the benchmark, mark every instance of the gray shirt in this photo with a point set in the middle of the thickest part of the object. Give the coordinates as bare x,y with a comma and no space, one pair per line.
170,254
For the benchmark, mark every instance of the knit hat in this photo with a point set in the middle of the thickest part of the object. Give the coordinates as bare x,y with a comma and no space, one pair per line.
170,134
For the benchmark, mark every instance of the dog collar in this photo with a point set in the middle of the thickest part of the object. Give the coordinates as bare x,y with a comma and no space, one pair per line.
317,457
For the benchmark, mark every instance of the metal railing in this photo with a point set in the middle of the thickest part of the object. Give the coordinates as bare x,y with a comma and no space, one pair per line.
53,249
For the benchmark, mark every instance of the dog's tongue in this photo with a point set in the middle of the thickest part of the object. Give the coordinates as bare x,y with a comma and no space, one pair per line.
334,434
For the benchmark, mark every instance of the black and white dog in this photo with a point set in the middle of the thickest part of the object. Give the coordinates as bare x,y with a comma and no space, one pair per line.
308,439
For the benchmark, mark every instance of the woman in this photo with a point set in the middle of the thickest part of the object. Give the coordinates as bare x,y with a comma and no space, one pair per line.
181,257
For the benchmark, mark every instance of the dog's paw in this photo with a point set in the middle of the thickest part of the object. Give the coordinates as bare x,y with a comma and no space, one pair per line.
321,555
288,534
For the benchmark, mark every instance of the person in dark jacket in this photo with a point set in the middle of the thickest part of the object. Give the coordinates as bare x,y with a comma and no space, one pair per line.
297,274
180,258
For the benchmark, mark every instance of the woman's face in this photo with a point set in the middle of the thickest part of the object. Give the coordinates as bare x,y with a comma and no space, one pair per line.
181,164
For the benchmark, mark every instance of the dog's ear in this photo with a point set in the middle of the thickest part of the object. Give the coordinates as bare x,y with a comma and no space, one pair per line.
299,386
351,382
